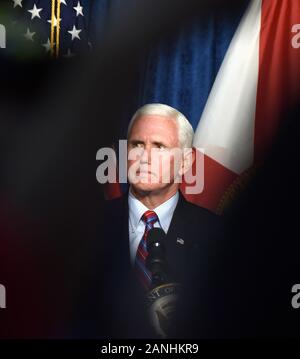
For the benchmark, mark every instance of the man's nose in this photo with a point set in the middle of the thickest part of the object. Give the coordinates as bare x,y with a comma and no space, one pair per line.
146,155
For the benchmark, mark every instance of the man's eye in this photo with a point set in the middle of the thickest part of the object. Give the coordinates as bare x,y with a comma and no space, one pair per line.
161,147
137,145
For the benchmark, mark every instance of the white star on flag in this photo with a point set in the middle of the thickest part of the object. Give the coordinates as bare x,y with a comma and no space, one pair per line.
47,45
17,3
35,12
29,35
54,21
75,33
78,9
63,2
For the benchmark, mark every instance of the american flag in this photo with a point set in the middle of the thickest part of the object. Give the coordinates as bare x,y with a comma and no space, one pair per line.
56,28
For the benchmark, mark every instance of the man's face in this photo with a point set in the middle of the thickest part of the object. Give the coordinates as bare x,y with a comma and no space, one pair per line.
152,165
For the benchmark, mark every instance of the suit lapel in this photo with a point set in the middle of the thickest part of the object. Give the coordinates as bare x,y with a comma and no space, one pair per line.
177,241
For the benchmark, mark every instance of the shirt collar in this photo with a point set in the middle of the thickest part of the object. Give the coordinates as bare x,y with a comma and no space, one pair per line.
136,210
164,211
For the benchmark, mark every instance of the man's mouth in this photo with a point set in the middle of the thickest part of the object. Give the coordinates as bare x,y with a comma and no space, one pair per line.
144,172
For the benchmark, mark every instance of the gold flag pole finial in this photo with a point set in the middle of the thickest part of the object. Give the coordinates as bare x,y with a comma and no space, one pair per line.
57,27
52,27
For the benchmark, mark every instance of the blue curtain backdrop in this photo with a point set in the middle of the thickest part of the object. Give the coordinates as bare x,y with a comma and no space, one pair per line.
179,70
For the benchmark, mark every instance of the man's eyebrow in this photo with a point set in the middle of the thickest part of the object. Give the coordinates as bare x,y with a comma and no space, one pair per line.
135,142
158,143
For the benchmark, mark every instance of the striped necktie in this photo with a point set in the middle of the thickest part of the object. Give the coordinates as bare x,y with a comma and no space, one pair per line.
149,218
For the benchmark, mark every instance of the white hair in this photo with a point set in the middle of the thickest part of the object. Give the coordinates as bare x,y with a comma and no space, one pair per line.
185,130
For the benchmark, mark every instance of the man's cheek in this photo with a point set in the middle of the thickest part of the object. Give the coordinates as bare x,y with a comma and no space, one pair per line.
172,167
156,165
167,169
134,154
133,167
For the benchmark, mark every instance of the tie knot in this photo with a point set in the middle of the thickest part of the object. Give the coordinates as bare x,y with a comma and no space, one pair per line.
149,217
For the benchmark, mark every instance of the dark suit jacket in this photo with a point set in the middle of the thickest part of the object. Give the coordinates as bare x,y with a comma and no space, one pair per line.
192,230
115,304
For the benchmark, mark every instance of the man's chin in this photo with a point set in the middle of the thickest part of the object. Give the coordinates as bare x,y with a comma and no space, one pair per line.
145,188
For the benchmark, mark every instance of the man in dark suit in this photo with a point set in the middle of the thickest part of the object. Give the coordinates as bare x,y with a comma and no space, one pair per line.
153,200
193,231
159,154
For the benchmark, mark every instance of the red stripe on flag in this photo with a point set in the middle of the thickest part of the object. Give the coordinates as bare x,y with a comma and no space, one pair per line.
279,70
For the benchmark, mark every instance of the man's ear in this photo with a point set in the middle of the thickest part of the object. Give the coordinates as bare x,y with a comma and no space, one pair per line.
188,160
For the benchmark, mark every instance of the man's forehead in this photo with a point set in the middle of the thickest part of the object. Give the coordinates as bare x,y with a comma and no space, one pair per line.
155,120
153,138
155,124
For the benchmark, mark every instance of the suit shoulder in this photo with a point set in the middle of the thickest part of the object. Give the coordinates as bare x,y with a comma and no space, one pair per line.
196,212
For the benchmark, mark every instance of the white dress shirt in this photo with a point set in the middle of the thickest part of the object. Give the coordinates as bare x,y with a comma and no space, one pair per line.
137,226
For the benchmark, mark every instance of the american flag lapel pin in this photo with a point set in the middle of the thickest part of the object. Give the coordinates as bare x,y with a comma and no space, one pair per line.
180,240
